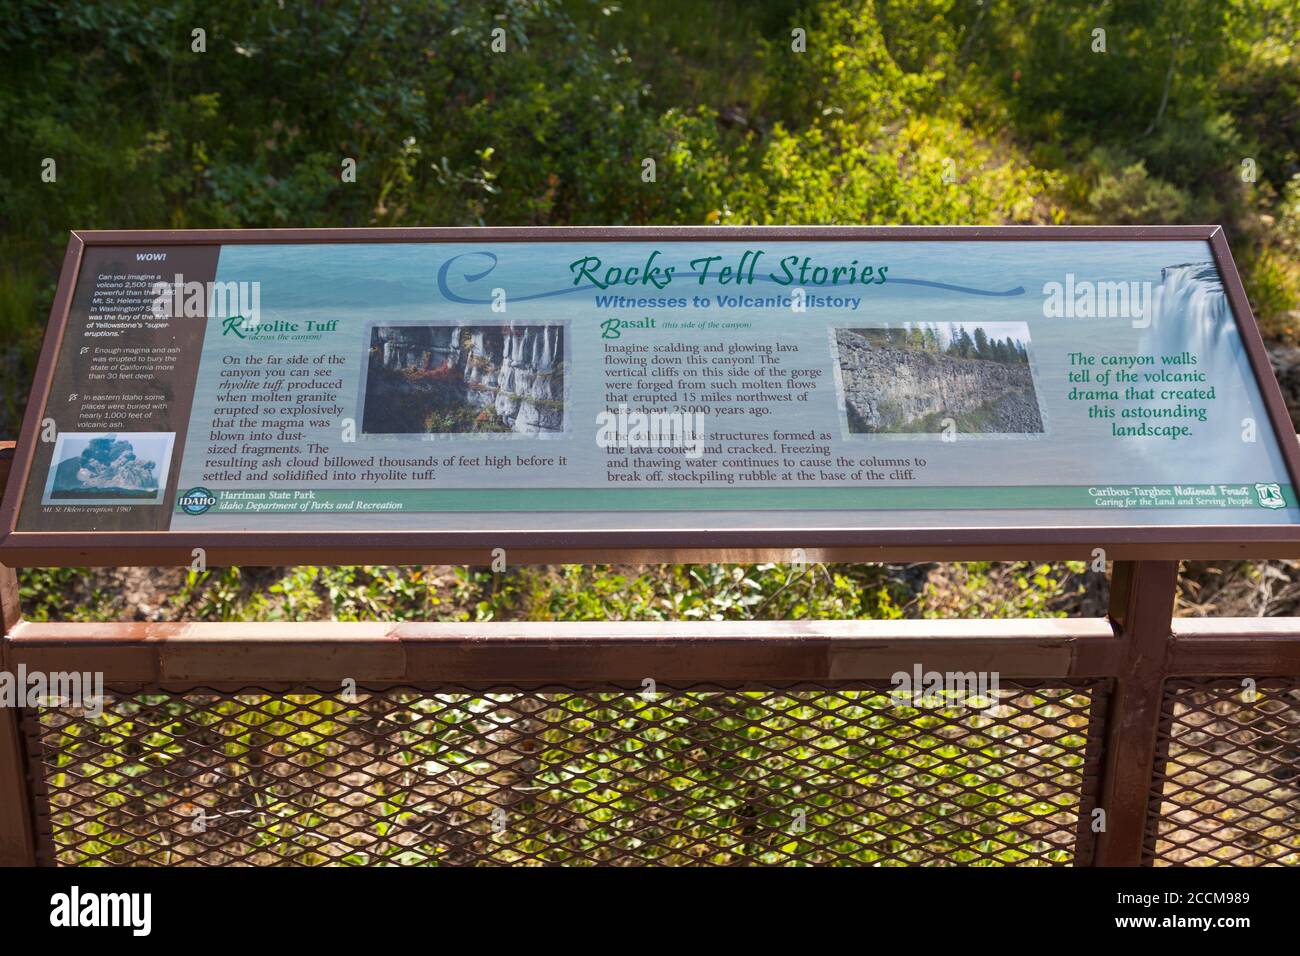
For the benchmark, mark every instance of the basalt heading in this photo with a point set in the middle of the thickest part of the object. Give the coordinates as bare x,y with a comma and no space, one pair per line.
745,269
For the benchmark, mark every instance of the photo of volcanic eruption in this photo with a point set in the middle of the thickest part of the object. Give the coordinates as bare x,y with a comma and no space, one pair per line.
109,467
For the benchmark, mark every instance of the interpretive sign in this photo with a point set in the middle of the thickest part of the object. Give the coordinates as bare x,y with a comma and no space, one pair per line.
590,392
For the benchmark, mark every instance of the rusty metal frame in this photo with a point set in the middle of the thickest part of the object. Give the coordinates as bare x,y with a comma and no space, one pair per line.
1137,648
19,832
1136,542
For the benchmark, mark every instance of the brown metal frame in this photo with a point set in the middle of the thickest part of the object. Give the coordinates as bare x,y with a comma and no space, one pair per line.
1136,542
18,828
1137,648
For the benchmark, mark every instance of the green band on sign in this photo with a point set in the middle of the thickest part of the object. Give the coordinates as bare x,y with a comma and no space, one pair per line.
990,498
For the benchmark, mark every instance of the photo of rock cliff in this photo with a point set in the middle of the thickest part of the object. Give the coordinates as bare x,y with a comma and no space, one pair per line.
909,379
431,379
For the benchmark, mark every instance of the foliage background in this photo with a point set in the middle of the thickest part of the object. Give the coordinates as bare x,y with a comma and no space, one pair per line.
1040,127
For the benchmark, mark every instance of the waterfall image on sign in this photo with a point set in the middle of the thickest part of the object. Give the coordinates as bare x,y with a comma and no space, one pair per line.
960,378
465,379
1191,311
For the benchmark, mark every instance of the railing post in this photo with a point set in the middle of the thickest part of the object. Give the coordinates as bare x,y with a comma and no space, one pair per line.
17,823
1141,607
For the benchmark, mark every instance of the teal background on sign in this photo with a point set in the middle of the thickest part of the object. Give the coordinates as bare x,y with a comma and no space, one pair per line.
970,282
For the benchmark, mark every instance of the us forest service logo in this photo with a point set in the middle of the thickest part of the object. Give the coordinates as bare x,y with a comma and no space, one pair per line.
1270,495
196,501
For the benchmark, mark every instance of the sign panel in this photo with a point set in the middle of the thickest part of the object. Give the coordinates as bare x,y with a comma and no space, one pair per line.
711,382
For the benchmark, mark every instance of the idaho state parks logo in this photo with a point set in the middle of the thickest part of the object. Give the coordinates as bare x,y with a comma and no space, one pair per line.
197,500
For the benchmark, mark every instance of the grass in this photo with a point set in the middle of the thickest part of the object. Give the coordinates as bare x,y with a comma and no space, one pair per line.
567,592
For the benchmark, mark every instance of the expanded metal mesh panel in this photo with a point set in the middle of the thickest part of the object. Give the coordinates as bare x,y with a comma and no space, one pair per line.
566,775
1229,790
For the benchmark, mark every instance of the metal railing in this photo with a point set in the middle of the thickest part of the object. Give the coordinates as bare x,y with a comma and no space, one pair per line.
1134,739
